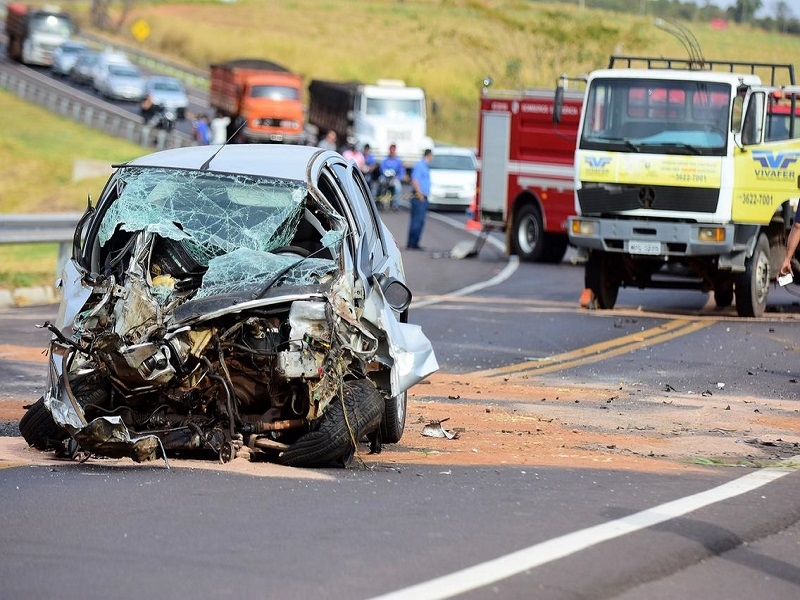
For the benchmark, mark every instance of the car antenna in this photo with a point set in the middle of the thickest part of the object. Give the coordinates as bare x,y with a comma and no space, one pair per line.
205,165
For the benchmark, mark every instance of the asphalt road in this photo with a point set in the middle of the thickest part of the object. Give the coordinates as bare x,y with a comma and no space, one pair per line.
420,531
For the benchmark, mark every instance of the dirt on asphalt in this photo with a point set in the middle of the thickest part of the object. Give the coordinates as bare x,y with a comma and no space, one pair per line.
521,422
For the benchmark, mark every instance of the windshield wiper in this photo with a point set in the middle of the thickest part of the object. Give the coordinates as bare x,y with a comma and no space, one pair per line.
689,147
617,140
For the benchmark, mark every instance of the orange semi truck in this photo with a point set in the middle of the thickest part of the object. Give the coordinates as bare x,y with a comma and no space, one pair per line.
264,97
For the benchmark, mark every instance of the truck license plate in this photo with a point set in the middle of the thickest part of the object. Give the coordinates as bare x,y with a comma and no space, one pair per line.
646,248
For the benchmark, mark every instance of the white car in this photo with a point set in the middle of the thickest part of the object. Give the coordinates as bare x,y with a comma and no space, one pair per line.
454,177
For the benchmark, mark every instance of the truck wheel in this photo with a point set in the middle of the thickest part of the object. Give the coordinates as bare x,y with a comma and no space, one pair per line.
752,286
527,239
602,278
331,444
394,421
555,247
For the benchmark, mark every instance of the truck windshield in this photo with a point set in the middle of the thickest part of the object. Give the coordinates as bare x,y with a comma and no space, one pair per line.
401,107
275,92
657,116
57,24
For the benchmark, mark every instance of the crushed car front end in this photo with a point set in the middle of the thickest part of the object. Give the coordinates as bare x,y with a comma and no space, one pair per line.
210,310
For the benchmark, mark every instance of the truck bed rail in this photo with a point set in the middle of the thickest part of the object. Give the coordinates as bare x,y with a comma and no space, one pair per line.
754,68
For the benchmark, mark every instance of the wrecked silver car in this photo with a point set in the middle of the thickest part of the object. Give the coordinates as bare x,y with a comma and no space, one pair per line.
248,296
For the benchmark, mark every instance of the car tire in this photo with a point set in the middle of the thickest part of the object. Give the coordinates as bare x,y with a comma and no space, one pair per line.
394,421
331,444
38,427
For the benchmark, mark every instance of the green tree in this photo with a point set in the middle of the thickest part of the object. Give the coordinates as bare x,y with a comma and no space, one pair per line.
745,10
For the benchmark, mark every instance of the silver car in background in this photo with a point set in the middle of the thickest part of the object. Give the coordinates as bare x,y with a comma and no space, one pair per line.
119,81
65,55
168,92
242,297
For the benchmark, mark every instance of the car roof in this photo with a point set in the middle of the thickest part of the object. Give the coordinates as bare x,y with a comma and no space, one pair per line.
263,160
453,150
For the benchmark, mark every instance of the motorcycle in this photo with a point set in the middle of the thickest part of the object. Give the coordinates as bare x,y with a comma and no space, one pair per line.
160,117
386,189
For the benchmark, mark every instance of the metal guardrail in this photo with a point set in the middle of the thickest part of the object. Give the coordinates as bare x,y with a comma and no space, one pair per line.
109,120
33,228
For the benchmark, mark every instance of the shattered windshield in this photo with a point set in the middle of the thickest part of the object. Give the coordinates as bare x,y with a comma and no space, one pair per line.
234,227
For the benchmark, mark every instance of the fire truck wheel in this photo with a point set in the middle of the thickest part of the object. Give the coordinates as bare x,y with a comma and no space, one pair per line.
603,278
752,286
528,235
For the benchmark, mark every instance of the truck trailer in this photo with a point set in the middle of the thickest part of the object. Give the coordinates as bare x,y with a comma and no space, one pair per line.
34,33
263,100
379,115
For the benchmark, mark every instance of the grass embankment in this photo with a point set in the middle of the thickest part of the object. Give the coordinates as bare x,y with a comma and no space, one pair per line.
39,153
445,46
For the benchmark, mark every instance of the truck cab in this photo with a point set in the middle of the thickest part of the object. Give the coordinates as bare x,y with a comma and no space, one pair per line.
680,166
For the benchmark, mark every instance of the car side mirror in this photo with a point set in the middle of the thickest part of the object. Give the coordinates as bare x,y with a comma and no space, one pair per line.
395,291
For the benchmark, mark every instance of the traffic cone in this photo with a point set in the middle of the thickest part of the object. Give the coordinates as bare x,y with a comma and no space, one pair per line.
473,224
586,298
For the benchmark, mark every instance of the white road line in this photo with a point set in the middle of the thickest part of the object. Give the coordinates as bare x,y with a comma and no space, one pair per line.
511,266
509,565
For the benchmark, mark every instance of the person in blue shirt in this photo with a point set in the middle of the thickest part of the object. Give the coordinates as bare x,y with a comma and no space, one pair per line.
370,169
395,164
421,184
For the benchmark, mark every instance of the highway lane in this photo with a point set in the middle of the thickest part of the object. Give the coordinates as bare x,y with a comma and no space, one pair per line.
384,528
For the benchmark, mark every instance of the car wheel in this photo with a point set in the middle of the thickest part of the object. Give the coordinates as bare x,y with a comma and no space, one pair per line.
394,421
752,286
332,442
38,427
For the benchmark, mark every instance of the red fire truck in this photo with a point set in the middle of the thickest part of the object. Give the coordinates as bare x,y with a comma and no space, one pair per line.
526,170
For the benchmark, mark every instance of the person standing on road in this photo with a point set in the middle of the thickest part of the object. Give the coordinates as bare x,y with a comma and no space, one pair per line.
393,163
219,128
421,184
329,141
791,245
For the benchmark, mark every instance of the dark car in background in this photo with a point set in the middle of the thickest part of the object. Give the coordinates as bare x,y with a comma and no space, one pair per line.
82,72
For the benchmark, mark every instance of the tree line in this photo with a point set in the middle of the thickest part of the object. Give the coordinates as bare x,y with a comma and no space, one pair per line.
777,16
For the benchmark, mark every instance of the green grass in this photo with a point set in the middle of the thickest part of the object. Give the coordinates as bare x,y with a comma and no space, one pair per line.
38,152
445,46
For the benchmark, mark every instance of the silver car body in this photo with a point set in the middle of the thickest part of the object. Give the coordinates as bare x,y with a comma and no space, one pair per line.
454,177
258,272
168,92
65,55
119,81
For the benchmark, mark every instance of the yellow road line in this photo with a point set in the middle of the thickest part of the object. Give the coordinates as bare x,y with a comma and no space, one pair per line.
602,350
